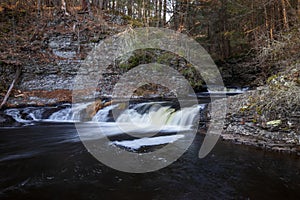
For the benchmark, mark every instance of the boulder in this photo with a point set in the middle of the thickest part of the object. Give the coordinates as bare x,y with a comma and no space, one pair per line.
6,120
92,109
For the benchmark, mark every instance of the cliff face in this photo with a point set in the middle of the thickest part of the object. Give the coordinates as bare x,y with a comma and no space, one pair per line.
64,54
51,50
54,72
58,73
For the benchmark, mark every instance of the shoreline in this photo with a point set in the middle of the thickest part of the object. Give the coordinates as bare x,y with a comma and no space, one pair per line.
249,122
261,144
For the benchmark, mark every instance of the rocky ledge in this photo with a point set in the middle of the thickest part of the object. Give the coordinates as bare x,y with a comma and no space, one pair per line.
7,121
268,117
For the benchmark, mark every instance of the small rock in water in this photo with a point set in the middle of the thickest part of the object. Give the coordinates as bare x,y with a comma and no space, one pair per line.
6,120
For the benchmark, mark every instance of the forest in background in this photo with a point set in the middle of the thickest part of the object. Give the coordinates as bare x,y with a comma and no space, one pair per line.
226,28
260,33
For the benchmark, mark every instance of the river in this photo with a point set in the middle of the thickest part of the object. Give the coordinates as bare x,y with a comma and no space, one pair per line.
47,160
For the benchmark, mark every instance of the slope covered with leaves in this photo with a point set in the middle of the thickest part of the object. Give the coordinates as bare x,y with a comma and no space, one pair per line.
269,116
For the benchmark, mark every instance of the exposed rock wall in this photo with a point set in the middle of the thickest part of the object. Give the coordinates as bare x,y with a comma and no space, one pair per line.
59,72
65,53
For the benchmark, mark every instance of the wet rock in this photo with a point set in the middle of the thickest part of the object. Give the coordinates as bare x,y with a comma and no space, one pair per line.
92,109
7,121
48,112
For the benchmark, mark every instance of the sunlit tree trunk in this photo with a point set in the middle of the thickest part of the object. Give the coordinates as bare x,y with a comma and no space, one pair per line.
165,12
272,22
284,13
64,7
267,24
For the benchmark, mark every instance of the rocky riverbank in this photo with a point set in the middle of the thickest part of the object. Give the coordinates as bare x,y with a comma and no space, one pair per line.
268,117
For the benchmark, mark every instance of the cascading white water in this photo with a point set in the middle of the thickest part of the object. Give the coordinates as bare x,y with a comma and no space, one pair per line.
62,115
102,114
158,115
31,114
184,117
15,113
25,115
154,116
141,120
69,114
145,115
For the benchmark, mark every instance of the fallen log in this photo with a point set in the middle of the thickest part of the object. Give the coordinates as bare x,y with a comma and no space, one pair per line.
18,72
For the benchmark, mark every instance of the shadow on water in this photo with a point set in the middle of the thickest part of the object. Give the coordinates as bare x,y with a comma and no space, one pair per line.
48,161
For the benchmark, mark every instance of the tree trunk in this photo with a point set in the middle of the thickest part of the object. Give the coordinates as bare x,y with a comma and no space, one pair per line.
64,7
156,13
159,13
298,8
272,22
165,12
267,25
129,4
139,10
113,6
187,17
89,8
83,5
39,8
285,19
176,14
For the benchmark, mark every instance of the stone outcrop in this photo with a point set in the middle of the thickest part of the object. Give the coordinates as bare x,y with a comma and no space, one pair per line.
267,117
7,121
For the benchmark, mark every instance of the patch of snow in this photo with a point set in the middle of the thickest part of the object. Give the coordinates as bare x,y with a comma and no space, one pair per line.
138,143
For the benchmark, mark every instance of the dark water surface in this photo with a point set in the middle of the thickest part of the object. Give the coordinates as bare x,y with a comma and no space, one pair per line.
48,161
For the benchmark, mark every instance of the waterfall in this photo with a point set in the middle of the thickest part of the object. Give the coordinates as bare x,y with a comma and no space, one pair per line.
16,114
142,119
158,115
141,115
70,114
102,114
25,115
154,116
150,115
184,117
62,113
